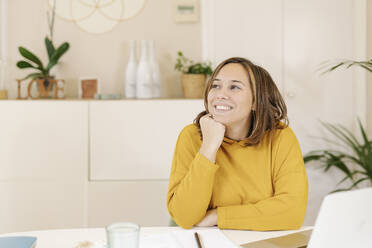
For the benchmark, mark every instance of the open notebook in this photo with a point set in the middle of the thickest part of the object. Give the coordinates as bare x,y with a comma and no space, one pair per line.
18,242
211,238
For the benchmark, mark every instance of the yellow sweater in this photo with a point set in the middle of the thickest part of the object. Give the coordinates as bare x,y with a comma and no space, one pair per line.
261,187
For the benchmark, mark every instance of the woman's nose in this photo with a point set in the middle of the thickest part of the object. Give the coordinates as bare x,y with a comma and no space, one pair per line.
222,94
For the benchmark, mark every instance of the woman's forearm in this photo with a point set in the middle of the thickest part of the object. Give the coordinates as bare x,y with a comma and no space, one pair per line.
209,152
189,195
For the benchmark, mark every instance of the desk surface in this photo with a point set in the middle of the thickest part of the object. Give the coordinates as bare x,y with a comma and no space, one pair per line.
70,238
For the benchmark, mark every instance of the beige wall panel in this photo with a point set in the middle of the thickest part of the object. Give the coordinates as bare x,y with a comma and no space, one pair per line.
314,32
250,29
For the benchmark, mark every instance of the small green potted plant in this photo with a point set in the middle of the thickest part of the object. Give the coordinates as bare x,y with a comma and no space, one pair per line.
33,62
193,76
42,73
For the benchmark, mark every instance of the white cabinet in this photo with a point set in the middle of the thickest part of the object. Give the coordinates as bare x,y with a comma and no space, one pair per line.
135,140
48,148
43,164
142,202
38,205
45,141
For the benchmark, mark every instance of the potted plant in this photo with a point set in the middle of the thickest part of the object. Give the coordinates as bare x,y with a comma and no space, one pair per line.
33,62
193,76
355,164
42,72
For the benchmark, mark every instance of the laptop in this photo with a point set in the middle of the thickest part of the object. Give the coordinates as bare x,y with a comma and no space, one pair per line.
344,221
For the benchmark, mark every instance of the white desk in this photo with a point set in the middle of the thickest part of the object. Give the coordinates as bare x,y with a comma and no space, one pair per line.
70,238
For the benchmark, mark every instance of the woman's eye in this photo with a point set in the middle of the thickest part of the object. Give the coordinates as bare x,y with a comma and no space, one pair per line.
215,86
235,87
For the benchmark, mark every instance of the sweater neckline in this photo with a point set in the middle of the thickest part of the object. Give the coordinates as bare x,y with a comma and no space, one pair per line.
231,141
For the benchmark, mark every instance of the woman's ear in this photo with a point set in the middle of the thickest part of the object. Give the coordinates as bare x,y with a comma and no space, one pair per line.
254,106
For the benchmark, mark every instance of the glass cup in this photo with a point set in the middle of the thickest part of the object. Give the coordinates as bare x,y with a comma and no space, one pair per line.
122,235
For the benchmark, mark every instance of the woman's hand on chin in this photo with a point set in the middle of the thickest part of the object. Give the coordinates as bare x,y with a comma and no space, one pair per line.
210,219
213,133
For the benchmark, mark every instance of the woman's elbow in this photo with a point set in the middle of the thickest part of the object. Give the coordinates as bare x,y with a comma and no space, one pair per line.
185,215
184,224
297,218
182,220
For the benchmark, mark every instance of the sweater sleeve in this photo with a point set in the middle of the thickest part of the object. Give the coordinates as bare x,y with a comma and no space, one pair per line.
190,183
286,208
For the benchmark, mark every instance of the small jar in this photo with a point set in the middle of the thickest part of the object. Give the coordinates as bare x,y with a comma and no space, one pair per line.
122,235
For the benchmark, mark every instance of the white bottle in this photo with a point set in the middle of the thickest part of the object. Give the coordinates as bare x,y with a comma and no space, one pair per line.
144,81
130,72
155,71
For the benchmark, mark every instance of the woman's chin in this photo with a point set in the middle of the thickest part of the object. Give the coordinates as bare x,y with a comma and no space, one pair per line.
221,119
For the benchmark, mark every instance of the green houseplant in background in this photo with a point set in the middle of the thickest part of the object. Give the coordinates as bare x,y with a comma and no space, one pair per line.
193,77
31,61
348,63
357,163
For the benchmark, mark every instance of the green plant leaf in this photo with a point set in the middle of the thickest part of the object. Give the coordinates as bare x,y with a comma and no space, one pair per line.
50,47
346,138
355,184
57,55
60,51
358,181
338,190
333,67
30,56
347,63
367,68
186,65
24,64
360,154
34,75
312,157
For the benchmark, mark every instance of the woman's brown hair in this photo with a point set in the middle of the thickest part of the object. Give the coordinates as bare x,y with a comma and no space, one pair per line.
270,108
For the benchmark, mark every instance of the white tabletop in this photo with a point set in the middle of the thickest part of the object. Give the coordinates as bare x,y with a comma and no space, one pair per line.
70,238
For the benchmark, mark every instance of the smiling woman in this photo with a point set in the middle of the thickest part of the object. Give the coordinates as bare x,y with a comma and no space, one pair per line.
239,166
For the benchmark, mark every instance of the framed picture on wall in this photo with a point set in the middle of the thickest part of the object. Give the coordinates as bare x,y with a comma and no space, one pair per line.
185,11
88,86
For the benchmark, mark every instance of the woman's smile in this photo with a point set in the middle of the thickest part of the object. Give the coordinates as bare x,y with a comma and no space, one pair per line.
222,108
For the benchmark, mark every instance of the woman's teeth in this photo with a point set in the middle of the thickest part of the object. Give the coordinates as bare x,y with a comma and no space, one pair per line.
221,107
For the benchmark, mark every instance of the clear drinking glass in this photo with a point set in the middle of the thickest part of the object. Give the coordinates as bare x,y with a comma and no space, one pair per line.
122,235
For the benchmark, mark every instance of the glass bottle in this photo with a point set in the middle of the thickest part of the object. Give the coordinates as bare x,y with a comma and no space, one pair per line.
130,73
144,80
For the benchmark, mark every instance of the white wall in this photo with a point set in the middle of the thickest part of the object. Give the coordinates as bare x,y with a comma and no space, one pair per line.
102,55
